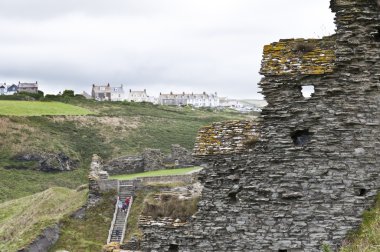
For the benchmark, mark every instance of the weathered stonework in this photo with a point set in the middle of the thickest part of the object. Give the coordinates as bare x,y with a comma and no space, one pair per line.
180,156
150,160
226,138
314,170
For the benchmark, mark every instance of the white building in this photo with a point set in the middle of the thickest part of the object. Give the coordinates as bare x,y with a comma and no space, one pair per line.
107,93
140,96
229,103
8,89
196,100
3,89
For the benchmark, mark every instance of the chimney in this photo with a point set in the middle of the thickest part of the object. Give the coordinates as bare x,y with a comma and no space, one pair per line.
130,90
171,92
144,90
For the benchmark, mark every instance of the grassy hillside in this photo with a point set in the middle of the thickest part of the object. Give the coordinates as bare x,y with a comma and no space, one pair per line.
117,128
36,108
21,220
90,233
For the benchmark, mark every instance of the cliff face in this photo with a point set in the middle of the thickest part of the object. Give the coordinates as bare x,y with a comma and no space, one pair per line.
314,168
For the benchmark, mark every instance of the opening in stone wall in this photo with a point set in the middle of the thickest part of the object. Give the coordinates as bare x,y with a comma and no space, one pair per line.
233,197
301,137
307,91
232,194
282,250
173,248
361,192
376,35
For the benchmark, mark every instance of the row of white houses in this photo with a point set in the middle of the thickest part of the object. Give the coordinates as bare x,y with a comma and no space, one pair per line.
117,93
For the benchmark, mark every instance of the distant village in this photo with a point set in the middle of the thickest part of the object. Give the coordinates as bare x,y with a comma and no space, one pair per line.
117,93
201,100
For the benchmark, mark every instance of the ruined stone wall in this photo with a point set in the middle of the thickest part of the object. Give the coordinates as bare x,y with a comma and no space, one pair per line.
150,160
314,170
226,138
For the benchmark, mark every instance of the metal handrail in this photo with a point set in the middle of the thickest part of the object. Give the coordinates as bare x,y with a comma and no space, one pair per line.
113,222
126,219
114,215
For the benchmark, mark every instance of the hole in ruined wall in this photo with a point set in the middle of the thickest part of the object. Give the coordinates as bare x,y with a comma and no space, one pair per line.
307,91
376,36
361,192
232,194
282,250
173,248
301,137
233,199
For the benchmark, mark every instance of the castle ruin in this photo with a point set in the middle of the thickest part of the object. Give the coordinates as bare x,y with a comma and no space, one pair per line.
311,167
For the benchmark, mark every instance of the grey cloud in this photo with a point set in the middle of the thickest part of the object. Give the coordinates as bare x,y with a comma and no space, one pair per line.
161,45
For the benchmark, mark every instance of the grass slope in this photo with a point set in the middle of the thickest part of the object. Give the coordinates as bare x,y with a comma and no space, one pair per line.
167,172
22,220
90,233
36,108
117,129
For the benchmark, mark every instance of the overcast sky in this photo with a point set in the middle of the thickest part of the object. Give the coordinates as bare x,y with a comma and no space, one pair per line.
159,45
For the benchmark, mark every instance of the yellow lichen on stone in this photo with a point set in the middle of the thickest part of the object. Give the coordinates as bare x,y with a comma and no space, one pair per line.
299,56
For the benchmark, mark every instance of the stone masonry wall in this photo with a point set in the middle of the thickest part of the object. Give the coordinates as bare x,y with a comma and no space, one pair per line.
226,138
150,160
315,168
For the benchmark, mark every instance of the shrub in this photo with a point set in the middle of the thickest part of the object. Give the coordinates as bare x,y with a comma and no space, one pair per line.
303,47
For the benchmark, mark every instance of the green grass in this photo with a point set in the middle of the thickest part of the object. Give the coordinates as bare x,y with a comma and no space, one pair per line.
88,234
20,183
36,108
367,238
115,129
167,172
22,220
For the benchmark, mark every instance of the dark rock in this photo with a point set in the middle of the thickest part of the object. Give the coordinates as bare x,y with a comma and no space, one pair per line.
44,241
79,214
47,162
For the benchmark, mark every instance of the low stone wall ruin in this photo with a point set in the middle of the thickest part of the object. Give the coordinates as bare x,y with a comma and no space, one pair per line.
150,160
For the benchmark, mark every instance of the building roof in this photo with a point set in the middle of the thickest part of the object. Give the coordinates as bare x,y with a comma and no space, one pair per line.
12,87
137,92
107,88
187,96
27,85
299,56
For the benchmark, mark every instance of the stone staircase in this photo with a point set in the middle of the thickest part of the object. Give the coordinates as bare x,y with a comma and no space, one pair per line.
119,222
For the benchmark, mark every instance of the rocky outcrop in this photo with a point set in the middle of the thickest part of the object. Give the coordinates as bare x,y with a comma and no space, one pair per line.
125,165
46,162
150,160
181,156
153,159
44,241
